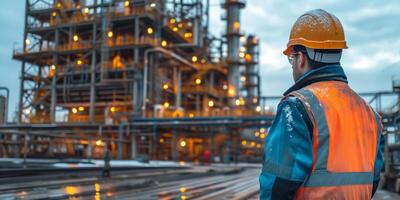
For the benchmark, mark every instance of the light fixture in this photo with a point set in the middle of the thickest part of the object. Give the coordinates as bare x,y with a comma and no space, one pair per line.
172,21
198,81
113,109
54,14
210,103
164,43
126,3
99,142
81,108
75,38
53,67
86,10
74,110
153,5
110,34
79,62
27,42
165,86
150,30
183,143
166,104
194,58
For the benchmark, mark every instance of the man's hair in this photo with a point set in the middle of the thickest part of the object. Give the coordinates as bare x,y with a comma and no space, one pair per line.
315,64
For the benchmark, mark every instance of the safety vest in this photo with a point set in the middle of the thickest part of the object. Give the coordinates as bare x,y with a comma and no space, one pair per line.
345,137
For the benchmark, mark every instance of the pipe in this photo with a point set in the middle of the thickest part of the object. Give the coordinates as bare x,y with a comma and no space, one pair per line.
145,73
7,101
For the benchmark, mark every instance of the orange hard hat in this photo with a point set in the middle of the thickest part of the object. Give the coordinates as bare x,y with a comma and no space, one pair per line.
317,29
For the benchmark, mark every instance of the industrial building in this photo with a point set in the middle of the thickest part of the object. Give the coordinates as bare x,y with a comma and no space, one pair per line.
142,78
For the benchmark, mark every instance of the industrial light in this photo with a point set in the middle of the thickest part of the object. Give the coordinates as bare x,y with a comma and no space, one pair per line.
76,38
244,142
262,130
194,58
99,142
252,144
232,92
257,134
53,67
210,103
126,3
225,87
58,5
243,78
180,25
248,57
182,143
166,104
165,86
242,49
197,81
243,39
258,145
191,115
241,54
161,140
258,109
172,21
150,30
262,136
236,25
164,43
86,10
153,5
182,189
79,62
242,102
203,61
188,35
81,108
110,34
113,109
74,110
237,102
53,14
27,42
175,29
27,111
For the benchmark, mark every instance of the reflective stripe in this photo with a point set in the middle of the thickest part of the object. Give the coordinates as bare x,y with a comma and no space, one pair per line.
378,133
324,57
323,178
322,126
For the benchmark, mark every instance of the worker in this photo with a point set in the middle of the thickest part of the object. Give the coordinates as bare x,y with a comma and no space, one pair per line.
107,166
325,142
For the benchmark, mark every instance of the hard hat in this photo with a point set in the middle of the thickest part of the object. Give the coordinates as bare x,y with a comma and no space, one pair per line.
317,29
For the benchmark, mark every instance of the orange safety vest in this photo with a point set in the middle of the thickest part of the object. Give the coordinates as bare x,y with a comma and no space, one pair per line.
345,142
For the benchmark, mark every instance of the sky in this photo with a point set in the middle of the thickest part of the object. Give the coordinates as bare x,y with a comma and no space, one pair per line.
372,30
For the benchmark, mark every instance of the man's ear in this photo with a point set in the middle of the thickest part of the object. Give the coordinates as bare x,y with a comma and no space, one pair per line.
302,60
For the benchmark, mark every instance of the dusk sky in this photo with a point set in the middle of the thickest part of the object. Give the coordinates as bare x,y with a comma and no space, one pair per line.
372,32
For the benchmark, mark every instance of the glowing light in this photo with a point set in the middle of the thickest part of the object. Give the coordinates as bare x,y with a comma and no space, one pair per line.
153,5
175,29
243,78
203,61
236,25
164,43
74,110
225,87
86,10
27,42
161,140
58,5
257,134
165,86
258,109
242,49
210,103
182,163
248,57
110,34
150,30
258,145
191,115
255,100
182,189
113,109
53,14
53,67
99,142
79,62
243,39
75,38
183,197
197,81
232,92
71,190
166,105
126,3
262,130
183,143
172,21
244,142
188,35
241,54
180,25
262,136
97,187
194,58
81,108
237,102
252,144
